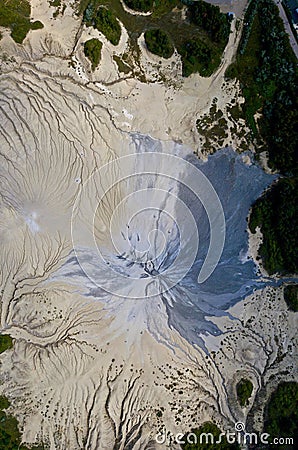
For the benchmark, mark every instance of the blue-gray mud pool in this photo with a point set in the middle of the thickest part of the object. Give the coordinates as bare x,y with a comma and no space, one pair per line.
143,222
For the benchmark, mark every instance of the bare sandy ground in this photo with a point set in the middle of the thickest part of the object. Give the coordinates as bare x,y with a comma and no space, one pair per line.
80,375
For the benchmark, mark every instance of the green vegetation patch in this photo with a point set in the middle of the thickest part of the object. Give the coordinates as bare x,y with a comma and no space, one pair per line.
157,7
291,296
162,7
37,25
203,53
159,43
267,69
207,435
92,50
5,342
104,20
199,57
209,17
213,126
200,43
122,65
281,417
55,3
15,14
244,390
140,5
10,437
276,212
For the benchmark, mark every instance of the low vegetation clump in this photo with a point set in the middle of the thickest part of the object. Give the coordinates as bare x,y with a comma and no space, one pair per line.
267,70
159,43
15,14
206,437
161,7
140,5
199,42
10,437
104,20
276,213
55,3
5,342
209,17
281,416
291,296
92,50
244,390
203,52
199,57
122,65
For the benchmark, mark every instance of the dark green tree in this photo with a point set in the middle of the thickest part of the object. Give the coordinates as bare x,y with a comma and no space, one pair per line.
159,43
92,49
281,416
140,5
244,390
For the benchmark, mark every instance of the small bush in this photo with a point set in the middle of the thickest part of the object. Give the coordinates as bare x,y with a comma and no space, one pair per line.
291,296
202,433
5,342
15,14
37,25
198,56
103,20
276,212
139,5
92,50
244,390
159,43
282,413
209,17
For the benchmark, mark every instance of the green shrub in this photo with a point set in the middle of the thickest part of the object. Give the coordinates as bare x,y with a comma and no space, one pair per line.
164,6
92,50
244,390
199,56
140,5
281,416
206,428
159,43
202,54
103,20
276,213
291,296
4,403
10,437
5,342
15,14
37,25
267,70
209,17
